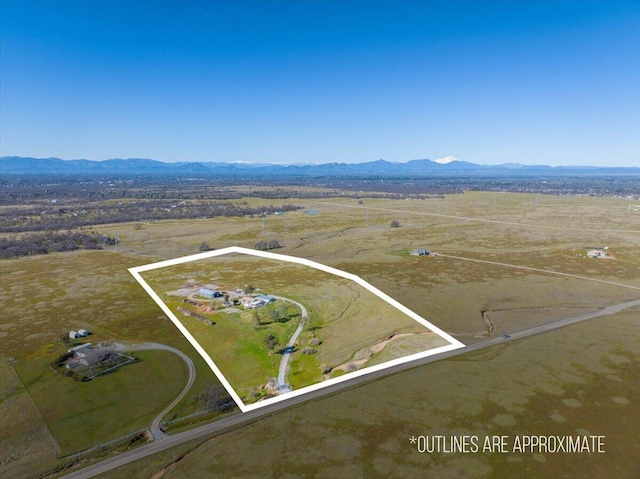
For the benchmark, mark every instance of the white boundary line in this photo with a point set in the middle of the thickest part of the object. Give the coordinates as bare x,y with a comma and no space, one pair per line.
453,343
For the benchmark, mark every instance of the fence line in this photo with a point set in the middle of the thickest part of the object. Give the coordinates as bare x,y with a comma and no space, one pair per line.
105,445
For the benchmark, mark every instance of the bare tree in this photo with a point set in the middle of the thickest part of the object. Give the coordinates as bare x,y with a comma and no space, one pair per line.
215,398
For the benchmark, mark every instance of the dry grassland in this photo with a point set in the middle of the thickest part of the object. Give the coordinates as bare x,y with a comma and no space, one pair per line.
25,440
42,297
575,381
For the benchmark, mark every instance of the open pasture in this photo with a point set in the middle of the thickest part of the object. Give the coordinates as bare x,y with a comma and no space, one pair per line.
578,380
45,296
343,316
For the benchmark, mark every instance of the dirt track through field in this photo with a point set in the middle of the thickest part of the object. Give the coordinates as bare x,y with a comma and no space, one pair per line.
538,270
481,220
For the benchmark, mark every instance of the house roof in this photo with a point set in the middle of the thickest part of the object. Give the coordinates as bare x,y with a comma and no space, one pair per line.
266,297
79,347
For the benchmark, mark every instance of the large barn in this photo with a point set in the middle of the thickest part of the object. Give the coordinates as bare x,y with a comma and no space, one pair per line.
209,293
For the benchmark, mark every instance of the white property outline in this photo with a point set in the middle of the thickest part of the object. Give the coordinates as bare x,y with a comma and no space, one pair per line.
454,343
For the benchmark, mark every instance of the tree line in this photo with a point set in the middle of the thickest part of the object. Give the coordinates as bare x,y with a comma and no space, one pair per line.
52,242
53,217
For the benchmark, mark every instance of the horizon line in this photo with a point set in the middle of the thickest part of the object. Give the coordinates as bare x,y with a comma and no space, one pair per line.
258,163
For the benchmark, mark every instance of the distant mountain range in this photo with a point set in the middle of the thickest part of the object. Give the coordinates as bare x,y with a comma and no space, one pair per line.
18,165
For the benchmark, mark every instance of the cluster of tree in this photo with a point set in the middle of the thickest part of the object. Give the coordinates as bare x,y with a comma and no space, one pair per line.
283,312
215,398
271,341
265,245
76,215
52,242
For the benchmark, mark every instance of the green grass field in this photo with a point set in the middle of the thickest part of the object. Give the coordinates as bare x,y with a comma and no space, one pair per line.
343,315
86,414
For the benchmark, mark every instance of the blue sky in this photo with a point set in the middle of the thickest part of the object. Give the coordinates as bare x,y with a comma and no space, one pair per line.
536,82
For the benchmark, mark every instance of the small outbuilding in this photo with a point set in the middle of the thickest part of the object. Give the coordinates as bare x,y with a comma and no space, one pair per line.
73,335
208,293
83,333
420,252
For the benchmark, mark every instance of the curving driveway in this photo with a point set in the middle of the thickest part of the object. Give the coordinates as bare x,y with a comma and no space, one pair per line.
154,429
240,420
284,362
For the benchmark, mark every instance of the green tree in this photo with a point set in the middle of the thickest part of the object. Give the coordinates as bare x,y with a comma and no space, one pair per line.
274,314
271,342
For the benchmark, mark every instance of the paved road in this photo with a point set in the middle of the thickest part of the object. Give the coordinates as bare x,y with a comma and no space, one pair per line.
239,420
155,430
284,363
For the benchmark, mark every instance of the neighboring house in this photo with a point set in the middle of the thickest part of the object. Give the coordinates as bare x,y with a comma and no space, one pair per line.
420,252
91,357
86,355
80,347
597,253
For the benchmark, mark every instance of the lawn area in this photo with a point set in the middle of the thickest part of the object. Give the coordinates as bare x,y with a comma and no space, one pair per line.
239,350
85,414
342,315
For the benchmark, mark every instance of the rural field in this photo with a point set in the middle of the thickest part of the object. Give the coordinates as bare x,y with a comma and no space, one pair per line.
520,258
578,380
346,325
